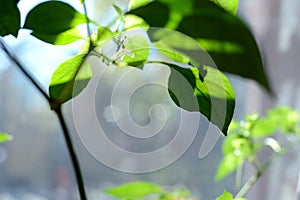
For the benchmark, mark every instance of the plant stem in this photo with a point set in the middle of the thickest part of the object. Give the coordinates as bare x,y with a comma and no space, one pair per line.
72,153
58,111
20,66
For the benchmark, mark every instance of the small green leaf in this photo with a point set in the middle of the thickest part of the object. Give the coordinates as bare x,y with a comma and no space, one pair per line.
4,137
137,3
118,10
225,196
9,17
69,79
81,1
228,164
138,51
229,5
53,17
134,190
263,127
63,38
133,21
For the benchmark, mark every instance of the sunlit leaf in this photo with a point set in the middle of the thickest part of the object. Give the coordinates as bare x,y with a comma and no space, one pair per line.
228,196
137,3
213,96
225,196
133,21
228,164
134,190
53,17
70,78
229,5
285,118
9,18
4,137
224,36
65,37
138,50
170,52
264,127
118,10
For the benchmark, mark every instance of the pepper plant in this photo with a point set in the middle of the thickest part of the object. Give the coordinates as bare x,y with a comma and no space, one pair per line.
213,25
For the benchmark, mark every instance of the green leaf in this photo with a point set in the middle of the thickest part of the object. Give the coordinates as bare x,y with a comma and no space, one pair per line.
9,17
236,149
224,36
53,17
228,164
137,3
228,196
69,79
118,10
156,14
4,137
133,21
81,1
134,190
285,118
229,5
213,91
170,52
264,127
225,196
63,38
138,51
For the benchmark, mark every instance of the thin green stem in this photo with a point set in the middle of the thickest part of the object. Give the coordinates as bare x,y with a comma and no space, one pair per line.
72,153
244,190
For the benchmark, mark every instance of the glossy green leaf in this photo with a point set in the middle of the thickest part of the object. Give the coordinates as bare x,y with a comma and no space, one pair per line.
53,17
224,36
9,17
134,190
69,79
210,93
4,137
63,38
172,53
138,51
229,5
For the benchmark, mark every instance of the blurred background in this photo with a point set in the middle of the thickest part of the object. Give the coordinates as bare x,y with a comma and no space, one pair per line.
36,164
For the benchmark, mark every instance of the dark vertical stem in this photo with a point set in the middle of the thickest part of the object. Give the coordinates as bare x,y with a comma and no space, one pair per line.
72,153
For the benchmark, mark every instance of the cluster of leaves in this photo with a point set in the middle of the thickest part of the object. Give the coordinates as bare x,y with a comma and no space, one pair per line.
247,138
212,24
244,142
147,190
